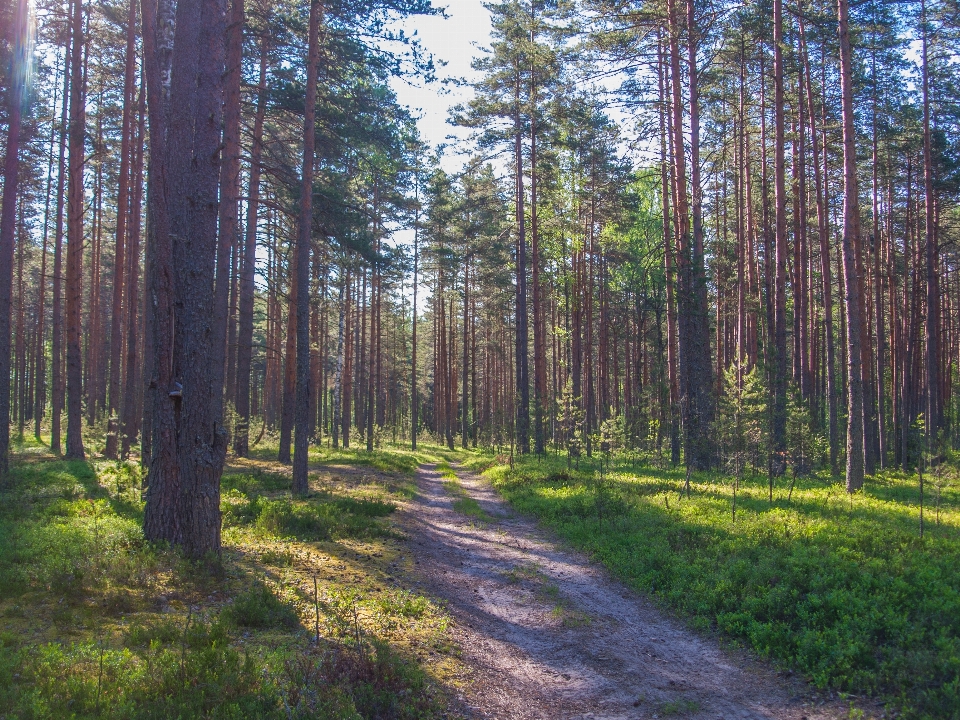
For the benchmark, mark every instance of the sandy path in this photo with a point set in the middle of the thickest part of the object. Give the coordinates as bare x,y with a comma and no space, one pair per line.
547,634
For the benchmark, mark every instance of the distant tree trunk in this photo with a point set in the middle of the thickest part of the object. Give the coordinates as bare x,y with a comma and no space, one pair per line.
851,238
523,385
8,222
779,429
228,229
289,387
701,368
878,277
338,373
465,410
668,255
248,268
75,203
539,326
119,266
56,310
39,355
414,401
932,415
346,362
301,440
693,322
825,263
131,397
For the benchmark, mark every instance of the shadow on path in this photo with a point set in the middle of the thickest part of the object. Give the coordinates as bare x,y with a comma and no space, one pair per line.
548,635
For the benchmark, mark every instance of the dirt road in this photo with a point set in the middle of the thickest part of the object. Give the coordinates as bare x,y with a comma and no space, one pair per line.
548,634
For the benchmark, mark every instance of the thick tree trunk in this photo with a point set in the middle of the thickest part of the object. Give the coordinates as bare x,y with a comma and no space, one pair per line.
161,519
196,111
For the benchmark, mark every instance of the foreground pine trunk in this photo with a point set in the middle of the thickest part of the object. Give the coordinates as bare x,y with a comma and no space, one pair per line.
183,498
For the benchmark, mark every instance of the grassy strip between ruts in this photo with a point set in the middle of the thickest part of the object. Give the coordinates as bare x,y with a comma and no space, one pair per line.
840,588
94,622
462,503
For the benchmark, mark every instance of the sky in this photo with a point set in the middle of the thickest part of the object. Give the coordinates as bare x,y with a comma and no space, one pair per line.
454,40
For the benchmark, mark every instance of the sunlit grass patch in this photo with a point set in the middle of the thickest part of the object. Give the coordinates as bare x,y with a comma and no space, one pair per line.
95,622
840,587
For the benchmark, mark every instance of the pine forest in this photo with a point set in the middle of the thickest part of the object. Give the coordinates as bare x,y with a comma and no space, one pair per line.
678,286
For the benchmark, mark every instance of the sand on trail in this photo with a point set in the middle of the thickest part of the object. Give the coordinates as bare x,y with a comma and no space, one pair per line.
546,633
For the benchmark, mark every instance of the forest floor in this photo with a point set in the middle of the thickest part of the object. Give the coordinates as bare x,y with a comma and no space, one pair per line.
546,633
308,613
405,588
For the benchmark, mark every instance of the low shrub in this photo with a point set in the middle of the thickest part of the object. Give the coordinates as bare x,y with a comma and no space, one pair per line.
259,607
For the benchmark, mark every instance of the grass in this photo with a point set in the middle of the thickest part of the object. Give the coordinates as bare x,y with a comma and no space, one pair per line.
462,503
840,588
95,622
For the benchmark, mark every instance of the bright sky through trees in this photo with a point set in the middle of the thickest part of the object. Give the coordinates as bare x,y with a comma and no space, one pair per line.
454,40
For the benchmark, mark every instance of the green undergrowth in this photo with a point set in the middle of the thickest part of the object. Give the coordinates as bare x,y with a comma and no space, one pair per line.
306,614
841,588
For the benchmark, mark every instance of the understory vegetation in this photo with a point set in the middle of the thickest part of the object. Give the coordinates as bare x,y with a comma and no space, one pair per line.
840,587
303,616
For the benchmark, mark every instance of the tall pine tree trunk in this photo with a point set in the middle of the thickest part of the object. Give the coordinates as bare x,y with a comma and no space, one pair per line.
779,429
851,239
228,229
303,260
56,310
123,214
8,222
932,415
75,202
241,442
523,385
